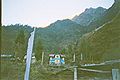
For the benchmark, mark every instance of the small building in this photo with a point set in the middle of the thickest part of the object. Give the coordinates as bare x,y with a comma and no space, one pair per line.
56,59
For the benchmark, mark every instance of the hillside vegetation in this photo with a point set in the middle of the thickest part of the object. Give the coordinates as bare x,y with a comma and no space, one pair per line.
103,44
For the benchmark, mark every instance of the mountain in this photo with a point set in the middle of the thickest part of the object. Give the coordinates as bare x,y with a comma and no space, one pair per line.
104,43
106,17
60,33
57,35
89,15
64,32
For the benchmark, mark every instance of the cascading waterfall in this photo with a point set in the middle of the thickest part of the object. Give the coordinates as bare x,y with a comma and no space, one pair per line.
29,55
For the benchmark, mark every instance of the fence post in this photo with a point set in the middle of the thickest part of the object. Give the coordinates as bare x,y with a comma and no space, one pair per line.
115,74
75,72
42,58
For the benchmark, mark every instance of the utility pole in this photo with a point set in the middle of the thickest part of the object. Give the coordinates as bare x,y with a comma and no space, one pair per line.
74,61
74,58
81,57
75,69
42,58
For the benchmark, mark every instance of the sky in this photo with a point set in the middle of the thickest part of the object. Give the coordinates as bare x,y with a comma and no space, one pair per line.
41,13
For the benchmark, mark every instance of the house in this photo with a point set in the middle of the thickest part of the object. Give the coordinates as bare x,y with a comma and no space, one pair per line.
56,59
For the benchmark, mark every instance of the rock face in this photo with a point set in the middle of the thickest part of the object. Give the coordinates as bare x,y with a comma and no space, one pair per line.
89,15
107,16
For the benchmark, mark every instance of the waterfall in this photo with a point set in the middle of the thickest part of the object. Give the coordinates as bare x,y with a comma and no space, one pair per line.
29,55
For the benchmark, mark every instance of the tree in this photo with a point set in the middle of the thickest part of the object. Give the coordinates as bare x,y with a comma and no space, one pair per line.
20,45
38,49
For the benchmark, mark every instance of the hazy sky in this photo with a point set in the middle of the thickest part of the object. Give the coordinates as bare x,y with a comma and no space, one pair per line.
40,13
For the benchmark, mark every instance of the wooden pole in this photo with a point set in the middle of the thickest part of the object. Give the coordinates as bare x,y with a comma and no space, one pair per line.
75,68
42,58
74,60
75,72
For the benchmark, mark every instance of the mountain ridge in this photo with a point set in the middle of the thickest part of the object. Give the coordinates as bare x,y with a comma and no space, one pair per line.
89,15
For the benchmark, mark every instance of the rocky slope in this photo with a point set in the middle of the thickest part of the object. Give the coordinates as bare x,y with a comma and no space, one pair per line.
89,15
